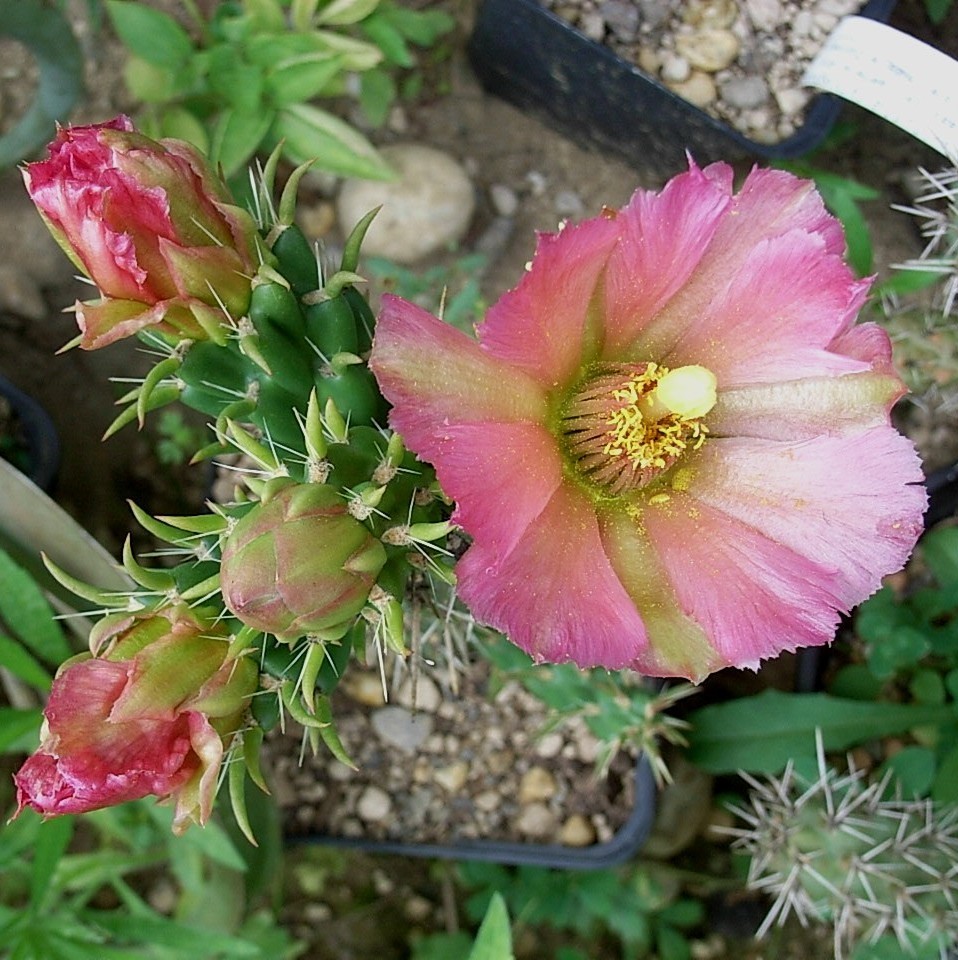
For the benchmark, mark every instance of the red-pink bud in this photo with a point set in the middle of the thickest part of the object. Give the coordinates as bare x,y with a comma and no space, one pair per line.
150,713
298,563
151,224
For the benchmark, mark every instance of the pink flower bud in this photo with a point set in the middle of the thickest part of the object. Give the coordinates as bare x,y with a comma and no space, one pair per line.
148,713
150,223
298,563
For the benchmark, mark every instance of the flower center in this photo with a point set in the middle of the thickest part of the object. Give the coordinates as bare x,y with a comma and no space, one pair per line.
629,423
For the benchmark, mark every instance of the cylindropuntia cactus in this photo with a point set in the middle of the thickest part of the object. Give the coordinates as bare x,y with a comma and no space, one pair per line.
835,850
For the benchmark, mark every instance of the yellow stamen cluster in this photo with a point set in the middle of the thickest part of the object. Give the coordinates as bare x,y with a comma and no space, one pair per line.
628,425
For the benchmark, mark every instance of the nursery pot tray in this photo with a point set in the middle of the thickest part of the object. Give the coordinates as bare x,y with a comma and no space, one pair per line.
538,62
462,775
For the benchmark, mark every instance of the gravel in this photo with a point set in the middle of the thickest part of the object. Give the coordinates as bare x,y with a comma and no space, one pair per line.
452,766
739,60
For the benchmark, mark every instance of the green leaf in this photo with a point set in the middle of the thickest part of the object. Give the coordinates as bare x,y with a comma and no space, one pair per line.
340,13
265,15
236,137
310,133
23,664
180,124
53,838
18,728
389,40
151,34
760,734
940,551
900,648
27,613
238,83
377,93
300,78
422,27
671,944
937,9
46,33
945,787
494,940
855,682
914,767
161,932
357,54
927,686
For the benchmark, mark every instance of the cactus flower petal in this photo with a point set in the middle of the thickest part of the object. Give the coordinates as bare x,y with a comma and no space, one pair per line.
671,445
137,719
150,224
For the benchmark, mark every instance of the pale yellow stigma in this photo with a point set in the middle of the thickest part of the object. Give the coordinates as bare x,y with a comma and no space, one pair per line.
655,426
688,392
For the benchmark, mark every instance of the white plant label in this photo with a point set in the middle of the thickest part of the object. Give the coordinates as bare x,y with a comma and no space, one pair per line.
907,82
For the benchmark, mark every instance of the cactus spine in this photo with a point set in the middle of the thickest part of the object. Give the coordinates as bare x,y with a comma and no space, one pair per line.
836,850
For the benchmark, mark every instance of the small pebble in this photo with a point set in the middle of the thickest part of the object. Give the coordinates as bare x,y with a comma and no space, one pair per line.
536,820
577,831
699,89
744,93
418,693
453,777
398,727
536,784
504,200
427,208
374,804
709,49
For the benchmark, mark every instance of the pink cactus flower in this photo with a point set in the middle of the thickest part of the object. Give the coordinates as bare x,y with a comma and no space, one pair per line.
150,223
148,714
671,444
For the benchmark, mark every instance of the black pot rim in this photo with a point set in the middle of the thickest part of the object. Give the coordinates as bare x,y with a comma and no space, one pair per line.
43,443
623,845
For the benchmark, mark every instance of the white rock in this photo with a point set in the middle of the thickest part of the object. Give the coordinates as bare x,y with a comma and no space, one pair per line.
708,49
569,204
802,23
699,89
536,784
420,693
791,100
504,200
374,805
577,831
536,820
398,727
487,801
675,68
592,25
764,14
426,208
452,778
550,745
744,93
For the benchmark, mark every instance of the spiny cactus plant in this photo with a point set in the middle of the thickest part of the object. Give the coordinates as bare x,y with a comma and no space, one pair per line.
311,559
835,850
924,338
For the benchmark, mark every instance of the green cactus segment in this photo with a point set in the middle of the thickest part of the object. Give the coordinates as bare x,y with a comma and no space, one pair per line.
331,327
297,258
340,519
836,850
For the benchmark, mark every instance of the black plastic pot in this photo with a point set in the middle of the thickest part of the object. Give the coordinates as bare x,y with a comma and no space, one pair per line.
38,434
623,845
535,60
